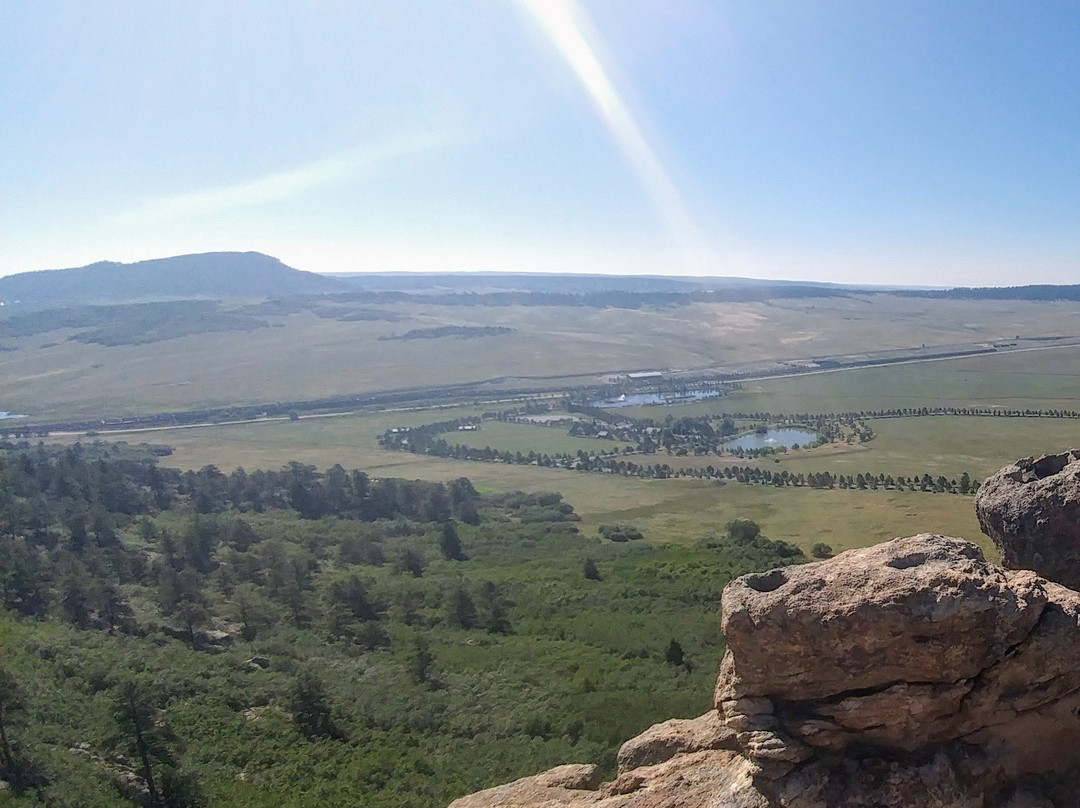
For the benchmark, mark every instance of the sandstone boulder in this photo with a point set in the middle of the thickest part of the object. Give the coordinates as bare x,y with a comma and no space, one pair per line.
571,785
926,609
904,647
1031,511
706,779
675,737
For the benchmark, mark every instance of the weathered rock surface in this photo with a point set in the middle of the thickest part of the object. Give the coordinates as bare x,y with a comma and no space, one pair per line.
907,646
1031,510
910,674
925,609
675,737
707,779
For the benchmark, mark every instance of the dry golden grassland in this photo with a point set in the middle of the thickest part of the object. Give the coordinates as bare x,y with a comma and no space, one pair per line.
303,356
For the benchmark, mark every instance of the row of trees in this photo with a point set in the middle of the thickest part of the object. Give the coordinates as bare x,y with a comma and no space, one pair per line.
809,418
758,476
88,489
427,440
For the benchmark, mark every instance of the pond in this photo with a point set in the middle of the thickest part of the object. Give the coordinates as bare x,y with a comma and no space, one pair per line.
637,399
772,439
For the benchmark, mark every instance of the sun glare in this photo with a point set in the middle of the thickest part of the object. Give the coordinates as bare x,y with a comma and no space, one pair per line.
561,22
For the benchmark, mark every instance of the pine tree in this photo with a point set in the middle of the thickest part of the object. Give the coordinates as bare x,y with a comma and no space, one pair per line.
449,543
674,654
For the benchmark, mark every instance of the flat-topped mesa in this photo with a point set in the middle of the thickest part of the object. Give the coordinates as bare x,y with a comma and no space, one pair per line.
1031,511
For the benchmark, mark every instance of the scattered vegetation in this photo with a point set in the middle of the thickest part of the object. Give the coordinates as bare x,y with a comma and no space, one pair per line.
620,533
277,638
133,324
461,331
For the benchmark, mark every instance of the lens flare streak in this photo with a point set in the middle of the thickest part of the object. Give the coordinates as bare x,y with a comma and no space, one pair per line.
562,23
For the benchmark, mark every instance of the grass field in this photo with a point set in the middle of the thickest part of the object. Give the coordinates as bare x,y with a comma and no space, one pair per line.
680,510
1047,378
525,437
565,341
303,356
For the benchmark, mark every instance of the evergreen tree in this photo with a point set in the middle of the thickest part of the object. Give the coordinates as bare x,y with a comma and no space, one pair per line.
674,654
422,662
462,608
311,708
144,737
449,543
411,561
10,704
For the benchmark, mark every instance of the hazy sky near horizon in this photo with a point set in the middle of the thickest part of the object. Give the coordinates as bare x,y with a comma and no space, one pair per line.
929,142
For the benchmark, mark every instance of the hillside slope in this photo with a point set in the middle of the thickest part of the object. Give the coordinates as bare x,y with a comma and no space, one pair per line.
203,275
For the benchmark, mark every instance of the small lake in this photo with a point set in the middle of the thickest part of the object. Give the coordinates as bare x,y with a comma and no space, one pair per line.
772,439
5,415
637,399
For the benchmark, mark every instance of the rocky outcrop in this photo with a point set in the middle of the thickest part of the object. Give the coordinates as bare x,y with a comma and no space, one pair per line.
909,674
914,642
912,660
678,736
563,785
705,779
1031,510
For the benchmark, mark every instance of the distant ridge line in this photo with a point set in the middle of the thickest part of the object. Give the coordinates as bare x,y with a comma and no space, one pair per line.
216,275
248,275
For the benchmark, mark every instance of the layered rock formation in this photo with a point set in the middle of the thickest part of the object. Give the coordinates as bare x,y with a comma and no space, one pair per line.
915,663
1031,510
912,673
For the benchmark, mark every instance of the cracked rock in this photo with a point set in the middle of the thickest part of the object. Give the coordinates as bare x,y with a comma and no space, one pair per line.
1031,511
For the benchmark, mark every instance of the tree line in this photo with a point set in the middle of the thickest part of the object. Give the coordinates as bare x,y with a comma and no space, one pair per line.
427,439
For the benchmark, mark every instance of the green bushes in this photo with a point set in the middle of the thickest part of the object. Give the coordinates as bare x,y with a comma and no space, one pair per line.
342,660
620,533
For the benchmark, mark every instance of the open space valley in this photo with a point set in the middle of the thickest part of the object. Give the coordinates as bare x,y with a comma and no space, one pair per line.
513,501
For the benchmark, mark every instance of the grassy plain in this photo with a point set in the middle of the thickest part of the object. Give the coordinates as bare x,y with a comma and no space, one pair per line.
526,437
307,357
303,356
1044,378
679,511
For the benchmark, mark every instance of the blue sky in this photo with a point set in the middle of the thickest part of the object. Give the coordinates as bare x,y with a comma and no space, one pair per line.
874,142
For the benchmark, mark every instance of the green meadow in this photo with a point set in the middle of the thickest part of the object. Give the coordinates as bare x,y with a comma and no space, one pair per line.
686,510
